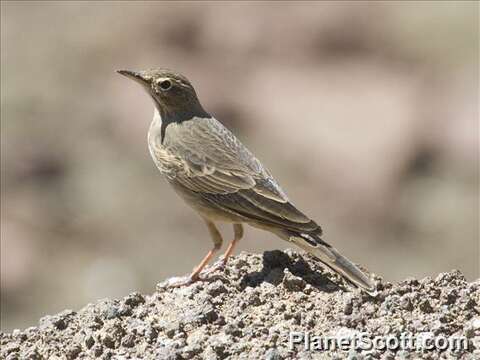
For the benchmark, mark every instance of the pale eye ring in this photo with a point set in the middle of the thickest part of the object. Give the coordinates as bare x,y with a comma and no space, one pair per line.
165,85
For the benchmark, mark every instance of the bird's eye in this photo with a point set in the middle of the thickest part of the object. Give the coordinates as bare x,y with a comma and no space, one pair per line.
165,85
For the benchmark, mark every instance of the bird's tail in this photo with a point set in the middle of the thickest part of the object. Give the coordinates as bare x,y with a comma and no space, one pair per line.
329,256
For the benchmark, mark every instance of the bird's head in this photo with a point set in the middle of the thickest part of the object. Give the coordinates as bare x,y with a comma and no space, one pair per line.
172,93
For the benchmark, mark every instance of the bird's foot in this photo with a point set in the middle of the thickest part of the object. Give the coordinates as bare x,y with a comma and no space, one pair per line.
179,281
218,265
175,282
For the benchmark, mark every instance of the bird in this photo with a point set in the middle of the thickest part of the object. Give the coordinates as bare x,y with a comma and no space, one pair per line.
216,175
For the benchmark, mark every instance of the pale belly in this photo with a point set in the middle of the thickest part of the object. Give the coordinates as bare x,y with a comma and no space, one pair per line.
203,207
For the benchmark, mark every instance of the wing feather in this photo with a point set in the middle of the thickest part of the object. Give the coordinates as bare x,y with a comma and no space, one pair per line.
239,205
283,210
218,166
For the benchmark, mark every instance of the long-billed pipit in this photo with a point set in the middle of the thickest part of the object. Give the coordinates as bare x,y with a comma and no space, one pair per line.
221,179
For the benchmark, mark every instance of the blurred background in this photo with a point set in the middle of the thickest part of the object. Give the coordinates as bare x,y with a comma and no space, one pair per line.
366,113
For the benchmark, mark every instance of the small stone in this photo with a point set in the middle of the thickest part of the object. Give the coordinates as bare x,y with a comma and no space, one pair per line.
189,351
108,341
240,263
240,324
128,341
216,288
411,281
220,345
151,333
442,277
108,355
417,325
89,341
369,310
425,306
96,323
211,315
406,303
252,298
172,328
124,310
292,282
403,289
60,324
61,320
97,350
73,352
348,307
134,299
232,329
220,321
111,312
450,297
273,354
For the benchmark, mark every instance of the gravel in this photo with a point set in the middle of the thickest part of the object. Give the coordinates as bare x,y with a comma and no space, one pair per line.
249,310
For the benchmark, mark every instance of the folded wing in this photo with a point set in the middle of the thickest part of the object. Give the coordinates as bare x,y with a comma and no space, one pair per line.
216,165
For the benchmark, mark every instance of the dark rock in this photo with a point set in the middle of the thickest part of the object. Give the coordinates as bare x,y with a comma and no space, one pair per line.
425,306
348,308
89,341
275,259
108,341
73,352
134,299
406,303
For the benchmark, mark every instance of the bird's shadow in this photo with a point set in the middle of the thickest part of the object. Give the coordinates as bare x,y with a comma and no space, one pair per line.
273,272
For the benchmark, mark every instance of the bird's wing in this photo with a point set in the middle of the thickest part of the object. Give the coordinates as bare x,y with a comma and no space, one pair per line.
218,166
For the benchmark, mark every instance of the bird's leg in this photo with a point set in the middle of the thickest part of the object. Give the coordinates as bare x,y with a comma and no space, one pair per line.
217,244
237,235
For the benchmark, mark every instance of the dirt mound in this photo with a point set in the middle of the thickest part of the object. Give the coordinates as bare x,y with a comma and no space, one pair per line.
263,306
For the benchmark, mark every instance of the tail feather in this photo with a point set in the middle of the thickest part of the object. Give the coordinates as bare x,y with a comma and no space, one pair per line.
329,256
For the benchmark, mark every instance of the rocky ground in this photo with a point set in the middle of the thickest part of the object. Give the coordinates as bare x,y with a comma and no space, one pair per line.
249,311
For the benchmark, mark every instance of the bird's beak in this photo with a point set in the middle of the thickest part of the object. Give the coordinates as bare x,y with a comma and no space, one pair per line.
136,76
